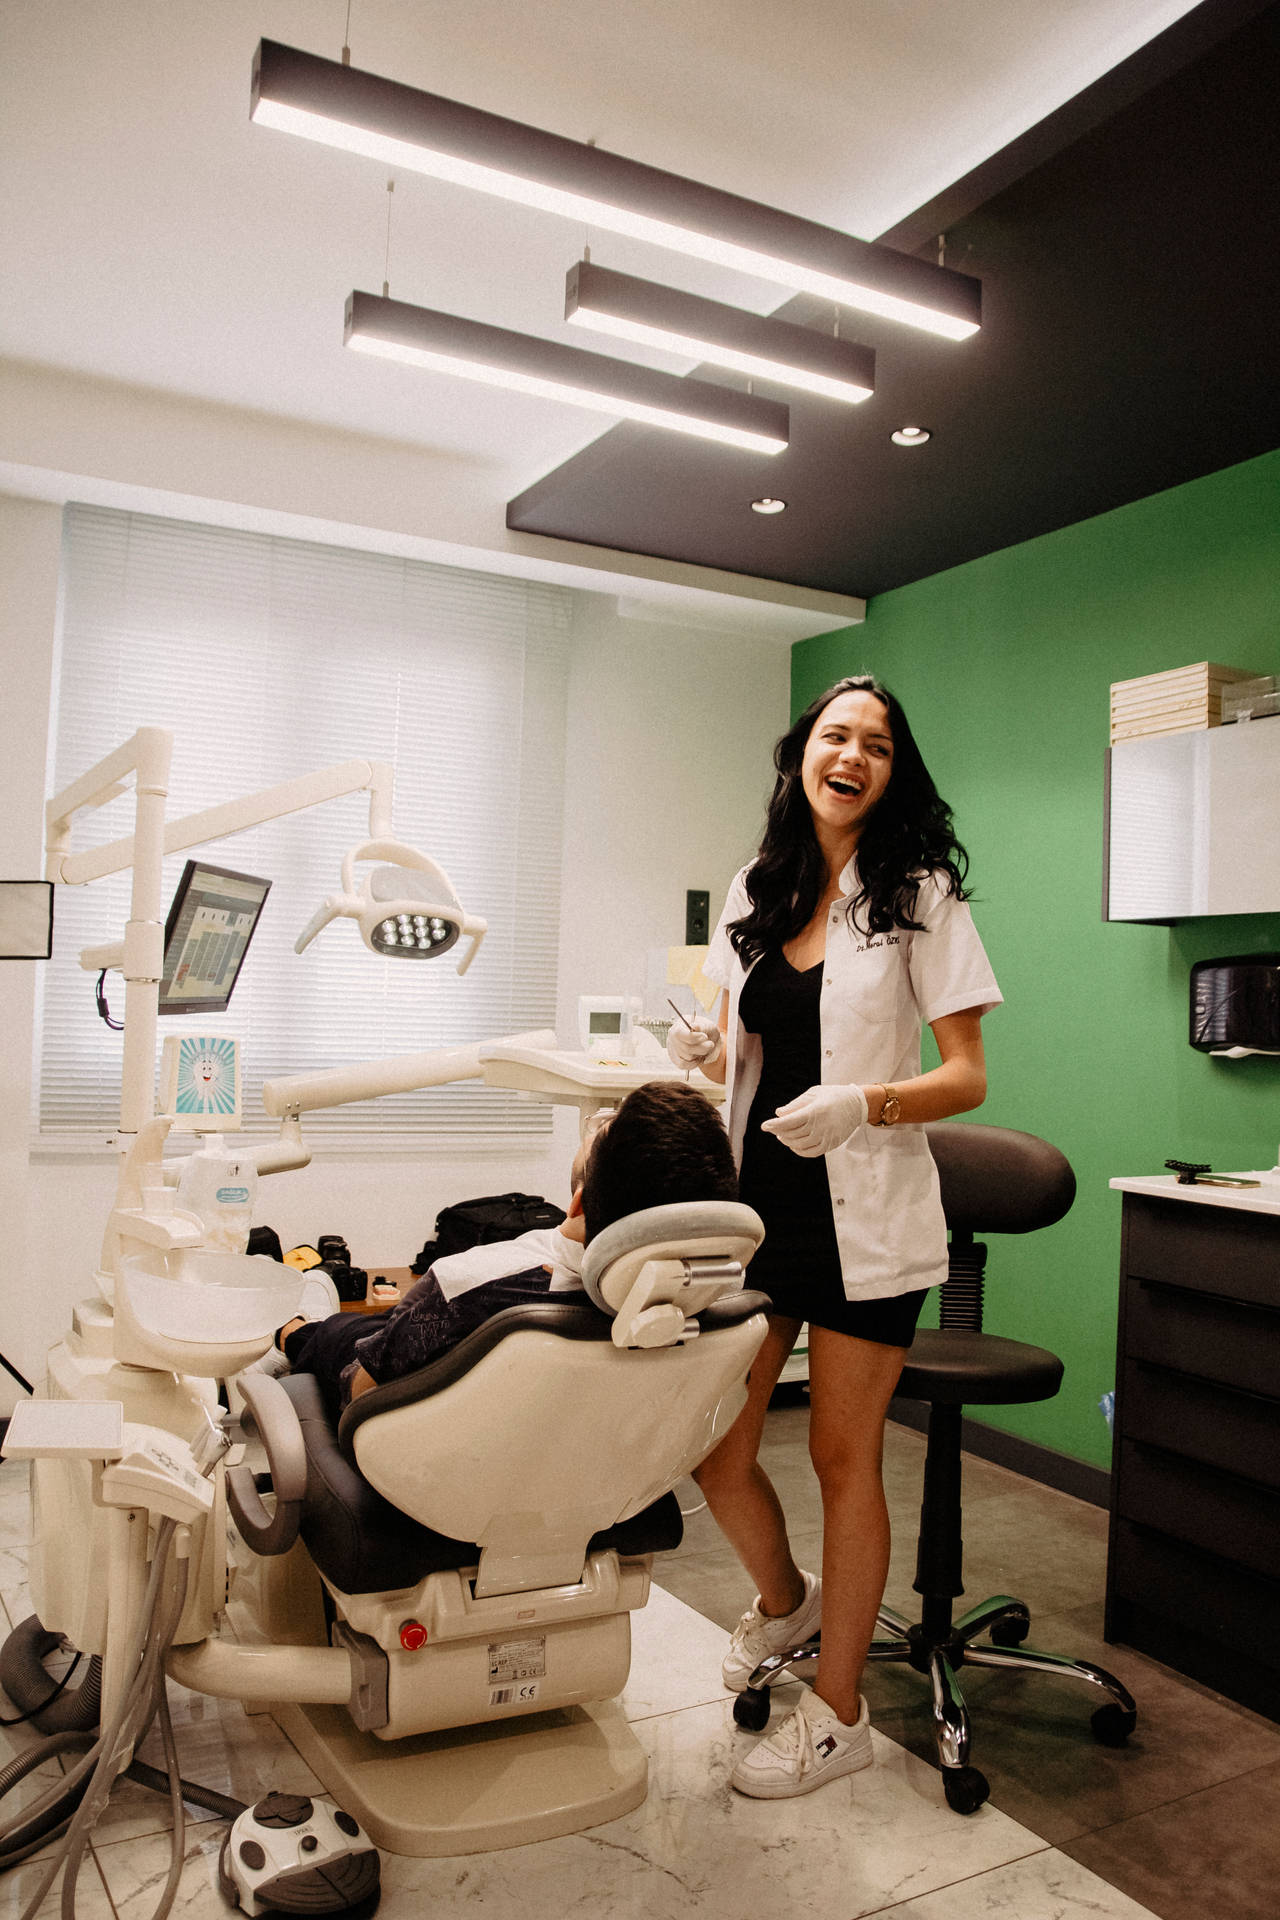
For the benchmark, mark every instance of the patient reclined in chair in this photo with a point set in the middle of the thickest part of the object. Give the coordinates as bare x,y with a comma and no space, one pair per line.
474,1536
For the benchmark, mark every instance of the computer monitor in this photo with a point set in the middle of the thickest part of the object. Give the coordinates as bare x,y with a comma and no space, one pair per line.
206,935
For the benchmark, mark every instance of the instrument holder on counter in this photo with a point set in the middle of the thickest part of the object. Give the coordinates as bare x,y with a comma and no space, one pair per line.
1197,1173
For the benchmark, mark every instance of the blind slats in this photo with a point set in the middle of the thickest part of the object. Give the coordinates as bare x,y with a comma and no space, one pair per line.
269,658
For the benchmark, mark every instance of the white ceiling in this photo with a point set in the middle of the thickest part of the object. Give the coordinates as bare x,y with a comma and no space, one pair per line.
153,236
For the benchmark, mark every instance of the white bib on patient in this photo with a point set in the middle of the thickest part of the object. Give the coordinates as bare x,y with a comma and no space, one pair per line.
458,1273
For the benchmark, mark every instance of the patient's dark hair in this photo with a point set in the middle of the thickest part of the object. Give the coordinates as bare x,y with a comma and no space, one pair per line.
665,1144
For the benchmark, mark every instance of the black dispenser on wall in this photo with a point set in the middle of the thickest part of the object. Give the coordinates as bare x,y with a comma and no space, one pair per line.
1235,1005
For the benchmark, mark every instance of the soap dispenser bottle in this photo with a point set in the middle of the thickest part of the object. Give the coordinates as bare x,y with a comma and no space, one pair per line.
220,1186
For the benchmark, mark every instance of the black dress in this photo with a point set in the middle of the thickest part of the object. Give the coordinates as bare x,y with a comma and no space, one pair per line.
798,1265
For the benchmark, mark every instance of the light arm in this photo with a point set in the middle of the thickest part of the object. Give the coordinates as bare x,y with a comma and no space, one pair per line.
372,1079
220,822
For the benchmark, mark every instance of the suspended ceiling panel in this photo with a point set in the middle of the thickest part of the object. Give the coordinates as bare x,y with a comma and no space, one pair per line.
1131,320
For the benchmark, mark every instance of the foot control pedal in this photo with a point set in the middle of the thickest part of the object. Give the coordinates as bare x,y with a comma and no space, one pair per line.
293,1854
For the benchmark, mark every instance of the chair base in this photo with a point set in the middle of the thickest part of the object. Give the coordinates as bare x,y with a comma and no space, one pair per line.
939,1653
476,1789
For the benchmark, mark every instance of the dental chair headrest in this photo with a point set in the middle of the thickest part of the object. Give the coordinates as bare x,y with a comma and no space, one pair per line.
655,1270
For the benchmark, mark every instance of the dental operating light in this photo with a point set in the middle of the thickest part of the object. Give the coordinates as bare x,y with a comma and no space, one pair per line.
750,343
472,350
406,128
407,910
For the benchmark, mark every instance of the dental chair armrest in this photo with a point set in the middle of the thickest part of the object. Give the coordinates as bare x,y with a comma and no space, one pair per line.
278,1427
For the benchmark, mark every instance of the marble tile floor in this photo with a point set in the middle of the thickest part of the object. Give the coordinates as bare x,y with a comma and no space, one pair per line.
1059,1839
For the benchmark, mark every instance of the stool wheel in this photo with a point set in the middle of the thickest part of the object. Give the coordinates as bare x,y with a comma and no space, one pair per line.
751,1709
965,1788
1010,1633
1113,1724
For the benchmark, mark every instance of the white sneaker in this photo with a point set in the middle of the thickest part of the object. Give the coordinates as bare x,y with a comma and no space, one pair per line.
319,1297
809,1748
757,1634
273,1363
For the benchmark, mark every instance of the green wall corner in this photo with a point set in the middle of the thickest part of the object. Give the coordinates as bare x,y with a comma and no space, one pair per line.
1005,666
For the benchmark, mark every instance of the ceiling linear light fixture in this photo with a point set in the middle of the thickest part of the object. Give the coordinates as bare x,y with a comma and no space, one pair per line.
473,350
751,343
422,132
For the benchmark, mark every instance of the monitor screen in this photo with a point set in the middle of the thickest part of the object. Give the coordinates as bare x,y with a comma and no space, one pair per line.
206,935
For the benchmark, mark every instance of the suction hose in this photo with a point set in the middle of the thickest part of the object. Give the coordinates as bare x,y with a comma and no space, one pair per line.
26,1681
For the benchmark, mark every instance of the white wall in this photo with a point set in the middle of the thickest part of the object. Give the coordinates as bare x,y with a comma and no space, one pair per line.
30,538
670,764
670,733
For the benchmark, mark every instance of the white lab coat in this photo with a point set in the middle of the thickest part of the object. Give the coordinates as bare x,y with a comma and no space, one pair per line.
877,994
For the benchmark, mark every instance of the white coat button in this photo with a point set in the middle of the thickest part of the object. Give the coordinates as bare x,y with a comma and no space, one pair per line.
840,1201
830,1050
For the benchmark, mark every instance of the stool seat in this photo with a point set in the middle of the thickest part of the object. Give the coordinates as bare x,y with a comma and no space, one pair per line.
954,1366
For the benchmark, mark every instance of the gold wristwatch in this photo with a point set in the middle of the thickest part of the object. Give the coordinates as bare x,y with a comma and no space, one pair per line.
891,1111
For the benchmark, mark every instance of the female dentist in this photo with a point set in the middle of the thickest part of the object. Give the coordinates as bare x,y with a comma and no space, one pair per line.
845,935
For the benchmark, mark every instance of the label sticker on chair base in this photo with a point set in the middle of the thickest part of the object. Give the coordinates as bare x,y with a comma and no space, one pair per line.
517,1660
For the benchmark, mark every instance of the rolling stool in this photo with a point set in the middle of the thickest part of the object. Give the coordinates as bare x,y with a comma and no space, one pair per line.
992,1180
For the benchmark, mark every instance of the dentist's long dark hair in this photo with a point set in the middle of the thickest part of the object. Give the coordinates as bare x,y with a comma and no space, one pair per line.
906,836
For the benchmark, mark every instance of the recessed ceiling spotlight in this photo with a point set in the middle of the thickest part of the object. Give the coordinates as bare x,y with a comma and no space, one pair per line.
766,505
910,436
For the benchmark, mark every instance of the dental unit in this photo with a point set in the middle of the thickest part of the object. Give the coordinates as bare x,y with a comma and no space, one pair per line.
436,1564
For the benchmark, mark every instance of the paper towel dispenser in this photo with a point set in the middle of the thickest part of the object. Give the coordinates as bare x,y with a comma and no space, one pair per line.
1235,1004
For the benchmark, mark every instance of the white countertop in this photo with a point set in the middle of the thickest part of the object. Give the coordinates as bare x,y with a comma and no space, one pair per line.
1164,1186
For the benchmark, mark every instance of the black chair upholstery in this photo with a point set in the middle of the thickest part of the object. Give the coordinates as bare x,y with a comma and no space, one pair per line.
993,1180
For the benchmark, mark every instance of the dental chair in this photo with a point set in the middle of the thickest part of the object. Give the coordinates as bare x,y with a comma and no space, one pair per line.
454,1568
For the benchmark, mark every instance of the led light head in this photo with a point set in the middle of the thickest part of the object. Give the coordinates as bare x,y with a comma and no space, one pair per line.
406,910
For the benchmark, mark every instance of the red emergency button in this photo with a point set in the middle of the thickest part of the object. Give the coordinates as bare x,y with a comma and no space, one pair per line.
412,1635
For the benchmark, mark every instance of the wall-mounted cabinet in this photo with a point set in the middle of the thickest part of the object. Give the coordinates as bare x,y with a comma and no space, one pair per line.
1193,824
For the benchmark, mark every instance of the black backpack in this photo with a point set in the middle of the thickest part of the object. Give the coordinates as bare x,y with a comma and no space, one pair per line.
475,1223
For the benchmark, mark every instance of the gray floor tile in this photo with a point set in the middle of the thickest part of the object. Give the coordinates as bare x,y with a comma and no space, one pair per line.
1215,1852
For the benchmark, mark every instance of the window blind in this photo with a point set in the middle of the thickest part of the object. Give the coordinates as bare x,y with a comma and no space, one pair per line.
268,658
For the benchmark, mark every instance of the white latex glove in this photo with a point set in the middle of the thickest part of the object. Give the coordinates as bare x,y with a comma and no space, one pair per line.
694,1046
819,1120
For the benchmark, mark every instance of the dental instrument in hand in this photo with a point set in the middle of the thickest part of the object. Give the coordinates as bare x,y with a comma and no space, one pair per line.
702,1045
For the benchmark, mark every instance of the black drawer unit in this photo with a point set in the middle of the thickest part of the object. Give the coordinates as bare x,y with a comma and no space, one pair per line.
1193,1569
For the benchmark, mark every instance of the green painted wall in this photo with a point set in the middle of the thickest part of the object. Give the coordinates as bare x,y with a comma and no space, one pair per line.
1004,667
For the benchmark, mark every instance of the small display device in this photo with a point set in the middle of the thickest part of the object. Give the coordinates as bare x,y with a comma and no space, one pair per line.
200,1083
604,1024
206,935
26,919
